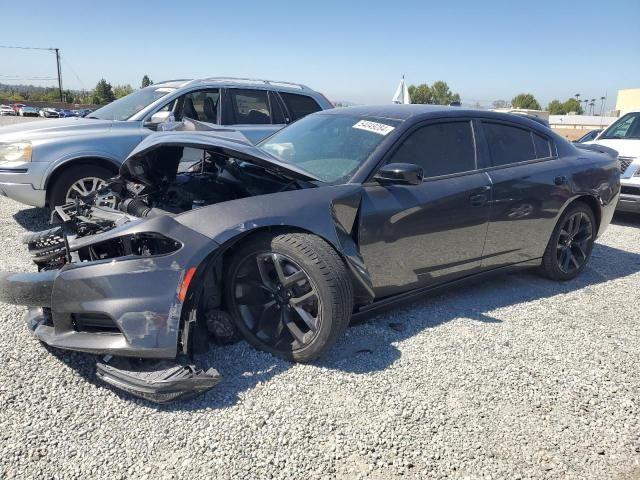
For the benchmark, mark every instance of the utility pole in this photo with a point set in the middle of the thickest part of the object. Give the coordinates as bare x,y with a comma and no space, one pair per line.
59,73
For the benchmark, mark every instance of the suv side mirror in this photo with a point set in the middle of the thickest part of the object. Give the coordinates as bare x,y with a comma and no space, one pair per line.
400,174
158,118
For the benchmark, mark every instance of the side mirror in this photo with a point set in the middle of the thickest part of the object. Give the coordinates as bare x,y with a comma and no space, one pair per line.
400,174
158,118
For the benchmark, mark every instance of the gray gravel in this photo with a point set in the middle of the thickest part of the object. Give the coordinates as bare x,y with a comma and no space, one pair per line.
517,377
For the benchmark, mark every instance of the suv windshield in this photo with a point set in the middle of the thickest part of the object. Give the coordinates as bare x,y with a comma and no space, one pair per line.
330,147
627,126
124,108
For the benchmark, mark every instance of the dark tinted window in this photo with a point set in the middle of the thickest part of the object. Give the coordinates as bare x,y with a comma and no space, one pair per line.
201,105
299,105
542,146
250,106
440,149
508,144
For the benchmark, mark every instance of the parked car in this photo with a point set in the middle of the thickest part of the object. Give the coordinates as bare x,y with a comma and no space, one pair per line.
16,107
63,113
49,113
27,111
589,136
59,159
623,135
341,212
6,110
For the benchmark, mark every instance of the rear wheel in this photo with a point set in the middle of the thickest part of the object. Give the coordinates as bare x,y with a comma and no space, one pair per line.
78,181
289,294
571,243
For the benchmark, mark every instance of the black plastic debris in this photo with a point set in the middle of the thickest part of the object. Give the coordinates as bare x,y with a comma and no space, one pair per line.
159,381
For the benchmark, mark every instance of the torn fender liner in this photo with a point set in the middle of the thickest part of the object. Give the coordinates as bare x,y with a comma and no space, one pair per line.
160,381
27,288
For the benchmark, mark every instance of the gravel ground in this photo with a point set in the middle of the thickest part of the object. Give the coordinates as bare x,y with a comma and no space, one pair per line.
517,377
7,120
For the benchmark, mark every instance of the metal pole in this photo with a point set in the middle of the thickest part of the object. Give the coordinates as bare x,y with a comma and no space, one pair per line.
59,73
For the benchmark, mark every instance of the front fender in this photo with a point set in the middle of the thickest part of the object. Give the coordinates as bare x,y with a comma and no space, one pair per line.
330,212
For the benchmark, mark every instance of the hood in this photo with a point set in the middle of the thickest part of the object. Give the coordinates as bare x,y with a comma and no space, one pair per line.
626,147
61,126
224,141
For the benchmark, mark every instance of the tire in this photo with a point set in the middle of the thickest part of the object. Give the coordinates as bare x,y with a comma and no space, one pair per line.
72,175
291,327
570,246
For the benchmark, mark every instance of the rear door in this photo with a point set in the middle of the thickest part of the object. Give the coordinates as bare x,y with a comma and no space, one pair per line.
419,235
529,187
254,112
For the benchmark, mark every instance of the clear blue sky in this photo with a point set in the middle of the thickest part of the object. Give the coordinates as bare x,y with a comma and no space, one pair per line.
349,50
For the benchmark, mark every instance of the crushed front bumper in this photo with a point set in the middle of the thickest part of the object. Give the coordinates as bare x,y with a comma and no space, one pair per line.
127,306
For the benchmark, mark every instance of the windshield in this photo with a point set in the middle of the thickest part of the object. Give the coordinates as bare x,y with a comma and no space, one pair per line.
126,107
330,147
627,126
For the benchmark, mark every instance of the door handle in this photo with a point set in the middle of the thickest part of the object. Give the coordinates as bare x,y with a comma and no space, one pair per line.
478,199
561,180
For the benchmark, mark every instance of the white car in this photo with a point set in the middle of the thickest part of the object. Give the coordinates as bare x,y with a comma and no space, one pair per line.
27,111
623,135
6,110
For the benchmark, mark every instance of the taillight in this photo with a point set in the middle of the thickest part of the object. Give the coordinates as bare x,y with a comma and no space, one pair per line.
186,281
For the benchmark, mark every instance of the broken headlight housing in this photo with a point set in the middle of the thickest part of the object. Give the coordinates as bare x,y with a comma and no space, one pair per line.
146,244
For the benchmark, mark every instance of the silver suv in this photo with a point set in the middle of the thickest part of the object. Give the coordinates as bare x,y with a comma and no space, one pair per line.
50,162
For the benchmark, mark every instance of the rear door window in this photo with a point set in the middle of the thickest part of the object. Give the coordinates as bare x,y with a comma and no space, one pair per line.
299,105
250,107
542,146
508,144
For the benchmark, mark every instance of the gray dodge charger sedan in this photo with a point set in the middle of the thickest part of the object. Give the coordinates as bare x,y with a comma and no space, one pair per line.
52,162
339,213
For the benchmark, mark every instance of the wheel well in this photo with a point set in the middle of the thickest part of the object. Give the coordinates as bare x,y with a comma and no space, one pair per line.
216,264
593,204
95,161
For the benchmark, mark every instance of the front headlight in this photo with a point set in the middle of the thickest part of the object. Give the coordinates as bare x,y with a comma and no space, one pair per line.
16,151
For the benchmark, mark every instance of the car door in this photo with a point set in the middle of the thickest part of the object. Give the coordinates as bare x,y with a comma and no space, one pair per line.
256,113
418,235
529,187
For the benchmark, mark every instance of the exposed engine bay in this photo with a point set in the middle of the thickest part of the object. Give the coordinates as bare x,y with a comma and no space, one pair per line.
167,180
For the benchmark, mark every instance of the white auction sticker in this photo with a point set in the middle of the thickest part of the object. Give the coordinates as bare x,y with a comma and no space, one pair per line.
375,127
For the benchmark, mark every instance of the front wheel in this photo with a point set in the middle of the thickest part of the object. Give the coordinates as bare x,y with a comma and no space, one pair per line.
78,181
571,243
289,294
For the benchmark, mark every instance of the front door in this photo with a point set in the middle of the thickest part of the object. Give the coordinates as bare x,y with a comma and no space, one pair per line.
419,235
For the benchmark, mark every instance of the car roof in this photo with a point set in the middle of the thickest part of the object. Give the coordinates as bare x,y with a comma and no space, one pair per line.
415,112
278,85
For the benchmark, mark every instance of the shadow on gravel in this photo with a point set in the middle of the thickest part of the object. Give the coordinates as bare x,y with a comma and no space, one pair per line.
33,219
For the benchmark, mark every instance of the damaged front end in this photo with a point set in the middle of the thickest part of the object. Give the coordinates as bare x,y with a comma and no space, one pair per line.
114,269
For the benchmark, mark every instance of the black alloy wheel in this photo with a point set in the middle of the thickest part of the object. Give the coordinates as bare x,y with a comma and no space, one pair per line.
571,243
289,294
574,242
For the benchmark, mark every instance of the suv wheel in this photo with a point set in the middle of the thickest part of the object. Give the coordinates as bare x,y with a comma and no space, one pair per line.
78,181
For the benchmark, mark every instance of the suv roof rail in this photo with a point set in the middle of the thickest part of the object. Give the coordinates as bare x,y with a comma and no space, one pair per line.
272,83
172,80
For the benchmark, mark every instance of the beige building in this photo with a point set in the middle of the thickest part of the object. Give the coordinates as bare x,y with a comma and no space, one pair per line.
628,101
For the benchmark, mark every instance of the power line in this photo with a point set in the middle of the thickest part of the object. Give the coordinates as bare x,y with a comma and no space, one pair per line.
57,52
26,48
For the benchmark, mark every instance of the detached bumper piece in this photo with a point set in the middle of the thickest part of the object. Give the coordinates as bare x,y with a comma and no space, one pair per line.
160,381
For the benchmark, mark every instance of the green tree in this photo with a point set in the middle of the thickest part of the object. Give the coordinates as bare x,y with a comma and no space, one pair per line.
556,107
442,95
146,81
120,91
501,104
573,105
103,92
525,100
420,94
